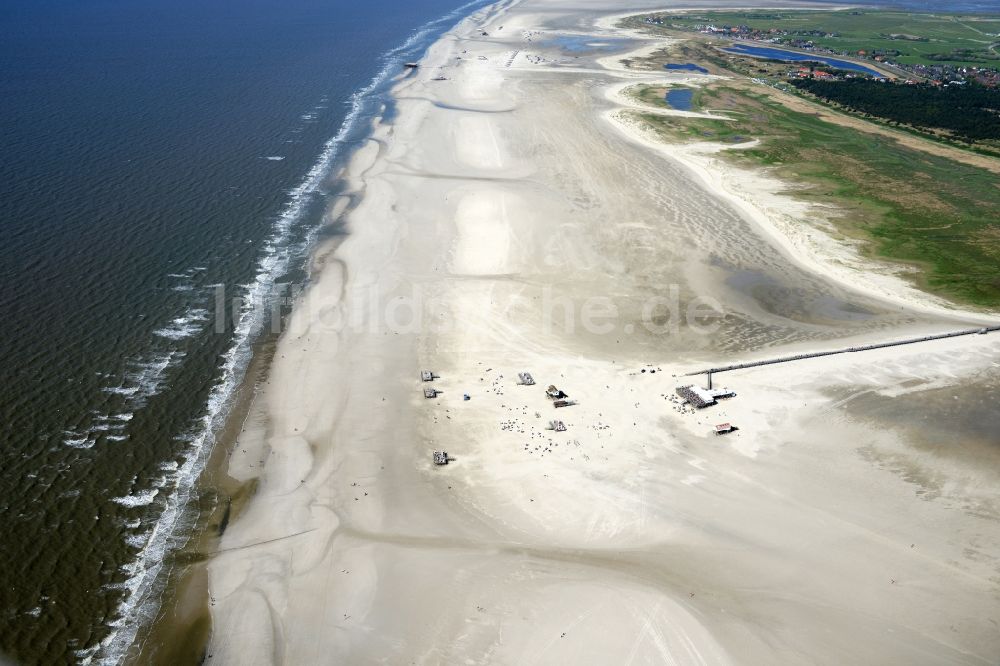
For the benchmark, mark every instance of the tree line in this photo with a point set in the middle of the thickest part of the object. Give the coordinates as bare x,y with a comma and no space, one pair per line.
970,112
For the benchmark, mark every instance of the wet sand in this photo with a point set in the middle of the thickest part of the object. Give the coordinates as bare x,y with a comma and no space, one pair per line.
508,222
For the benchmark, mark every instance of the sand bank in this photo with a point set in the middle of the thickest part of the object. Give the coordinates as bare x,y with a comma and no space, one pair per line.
505,226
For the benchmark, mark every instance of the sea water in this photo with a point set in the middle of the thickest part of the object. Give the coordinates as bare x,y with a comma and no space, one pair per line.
154,155
794,56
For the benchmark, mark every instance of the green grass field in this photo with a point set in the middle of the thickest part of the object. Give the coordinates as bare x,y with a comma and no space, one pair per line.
938,34
911,207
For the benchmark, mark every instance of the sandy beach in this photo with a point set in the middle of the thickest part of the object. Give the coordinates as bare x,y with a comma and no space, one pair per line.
511,219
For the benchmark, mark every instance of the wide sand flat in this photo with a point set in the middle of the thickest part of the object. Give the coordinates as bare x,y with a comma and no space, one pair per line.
510,221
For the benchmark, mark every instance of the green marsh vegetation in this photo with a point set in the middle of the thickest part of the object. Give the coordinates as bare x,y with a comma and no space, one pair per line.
931,212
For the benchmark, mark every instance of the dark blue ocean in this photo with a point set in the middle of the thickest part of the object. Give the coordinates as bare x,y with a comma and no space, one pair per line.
151,153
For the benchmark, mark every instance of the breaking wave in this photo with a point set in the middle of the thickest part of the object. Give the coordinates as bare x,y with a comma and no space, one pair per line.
277,257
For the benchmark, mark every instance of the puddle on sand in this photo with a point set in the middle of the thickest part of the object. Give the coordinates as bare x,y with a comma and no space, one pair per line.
685,67
953,420
588,44
958,424
796,303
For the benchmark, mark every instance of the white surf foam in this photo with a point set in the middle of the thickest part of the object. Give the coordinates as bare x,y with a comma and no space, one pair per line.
141,599
144,378
77,440
185,326
143,498
107,425
136,540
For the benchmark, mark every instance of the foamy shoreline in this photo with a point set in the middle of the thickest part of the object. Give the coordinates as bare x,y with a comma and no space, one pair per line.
634,536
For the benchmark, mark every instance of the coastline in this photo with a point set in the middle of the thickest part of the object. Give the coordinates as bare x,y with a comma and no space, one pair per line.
476,203
181,629
178,597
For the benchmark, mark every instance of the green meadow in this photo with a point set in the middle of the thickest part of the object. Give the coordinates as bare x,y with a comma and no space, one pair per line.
920,38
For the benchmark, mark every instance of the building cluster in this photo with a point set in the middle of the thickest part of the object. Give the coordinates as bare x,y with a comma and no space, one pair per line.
937,74
807,72
797,38
944,74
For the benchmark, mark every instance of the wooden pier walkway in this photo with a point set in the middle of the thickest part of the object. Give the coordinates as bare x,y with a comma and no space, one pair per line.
880,345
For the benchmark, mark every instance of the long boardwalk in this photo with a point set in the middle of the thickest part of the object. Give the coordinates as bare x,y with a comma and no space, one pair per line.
785,359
